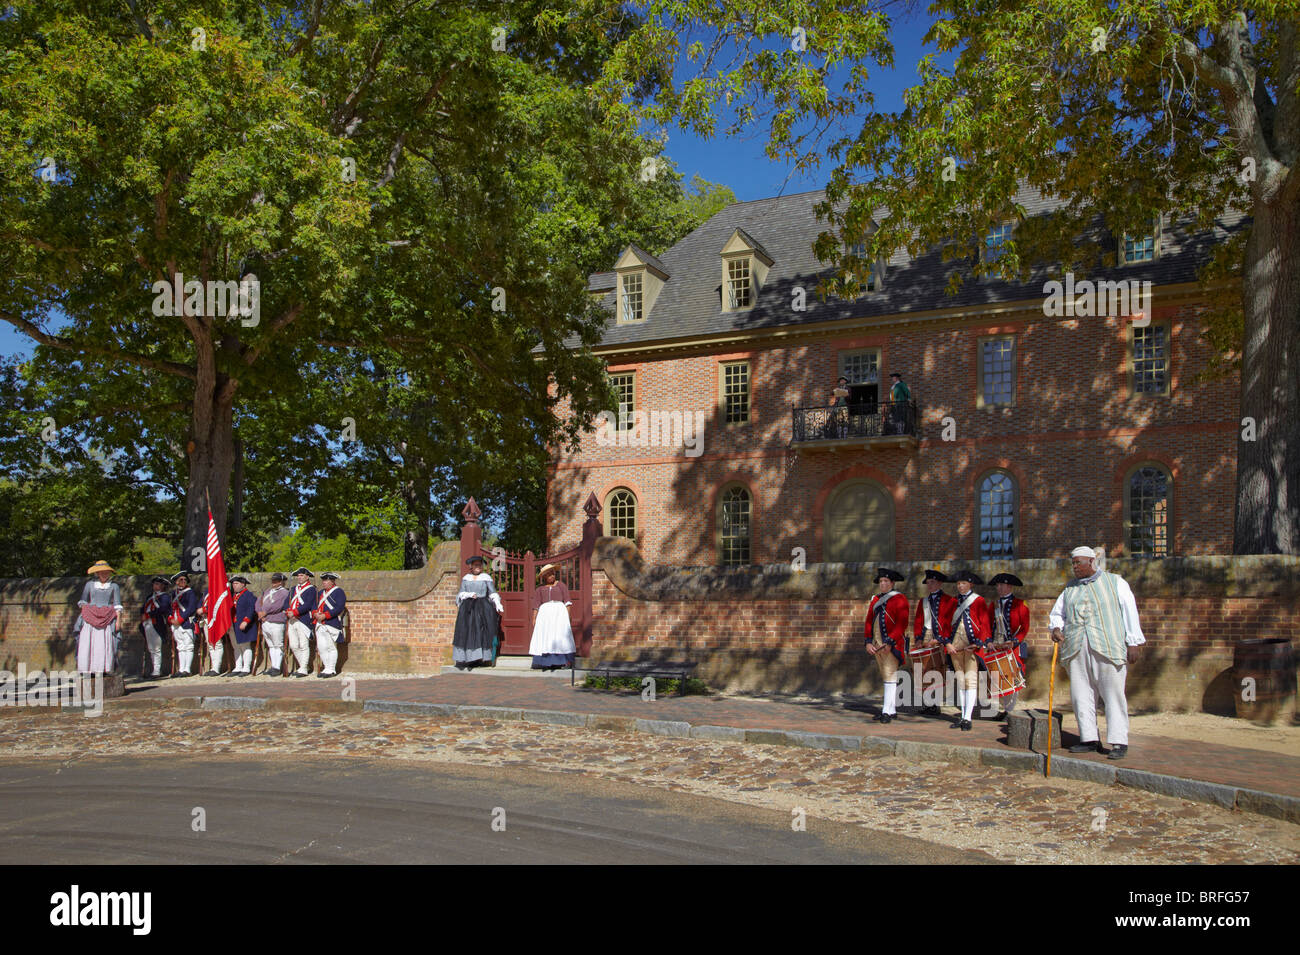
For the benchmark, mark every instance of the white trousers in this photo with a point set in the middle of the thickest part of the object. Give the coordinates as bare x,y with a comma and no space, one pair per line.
274,635
218,653
1092,674
153,640
299,634
184,648
326,646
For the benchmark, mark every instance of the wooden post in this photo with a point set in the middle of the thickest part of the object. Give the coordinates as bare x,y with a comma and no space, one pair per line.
590,531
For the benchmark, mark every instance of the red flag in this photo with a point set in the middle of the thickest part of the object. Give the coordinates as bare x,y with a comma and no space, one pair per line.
216,605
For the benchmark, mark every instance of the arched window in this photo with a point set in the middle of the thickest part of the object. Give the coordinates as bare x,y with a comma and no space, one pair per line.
1146,512
620,513
734,508
997,516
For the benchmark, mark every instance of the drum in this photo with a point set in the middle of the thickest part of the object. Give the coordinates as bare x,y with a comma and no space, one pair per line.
1005,675
931,659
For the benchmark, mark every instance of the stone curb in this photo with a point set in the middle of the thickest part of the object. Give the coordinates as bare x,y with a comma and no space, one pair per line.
233,703
1275,805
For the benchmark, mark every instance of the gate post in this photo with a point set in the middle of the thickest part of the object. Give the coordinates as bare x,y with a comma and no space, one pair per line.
590,531
471,535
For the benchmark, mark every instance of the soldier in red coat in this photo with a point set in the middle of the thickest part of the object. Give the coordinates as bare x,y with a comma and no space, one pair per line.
932,624
971,632
886,636
1010,624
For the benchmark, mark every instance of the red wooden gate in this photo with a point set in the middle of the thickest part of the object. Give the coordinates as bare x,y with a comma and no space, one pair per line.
515,576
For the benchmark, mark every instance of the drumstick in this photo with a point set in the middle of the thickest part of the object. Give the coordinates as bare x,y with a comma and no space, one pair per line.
1051,692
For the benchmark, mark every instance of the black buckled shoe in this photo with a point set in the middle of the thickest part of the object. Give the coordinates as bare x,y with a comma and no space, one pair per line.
1118,751
273,672
965,725
1093,747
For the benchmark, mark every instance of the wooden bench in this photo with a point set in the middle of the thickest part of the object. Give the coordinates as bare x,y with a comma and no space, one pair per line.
648,668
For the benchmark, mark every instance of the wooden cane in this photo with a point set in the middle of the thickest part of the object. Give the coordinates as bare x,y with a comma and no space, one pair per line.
1051,693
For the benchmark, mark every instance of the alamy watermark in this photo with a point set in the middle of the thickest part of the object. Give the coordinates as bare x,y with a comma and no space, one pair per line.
656,429
242,299
1086,299
55,688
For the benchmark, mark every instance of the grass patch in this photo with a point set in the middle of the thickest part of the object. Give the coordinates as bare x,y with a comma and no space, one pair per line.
694,686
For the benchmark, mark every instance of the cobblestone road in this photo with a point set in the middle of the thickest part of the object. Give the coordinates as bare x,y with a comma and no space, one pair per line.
1010,815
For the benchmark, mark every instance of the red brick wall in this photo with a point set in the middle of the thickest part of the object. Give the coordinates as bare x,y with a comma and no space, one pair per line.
1070,440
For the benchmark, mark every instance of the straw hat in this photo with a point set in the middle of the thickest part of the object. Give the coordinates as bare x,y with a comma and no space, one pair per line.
542,573
99,565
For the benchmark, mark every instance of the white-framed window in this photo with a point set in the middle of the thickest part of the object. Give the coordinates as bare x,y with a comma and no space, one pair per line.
997,371
620,513
632,299
875,278
735,391
997,237
1135,248
734,511
1146,512
624,385
861,367
740,288
1149,359
997,516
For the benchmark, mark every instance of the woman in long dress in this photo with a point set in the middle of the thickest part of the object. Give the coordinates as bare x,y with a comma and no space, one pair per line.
101,616
477,619
552,645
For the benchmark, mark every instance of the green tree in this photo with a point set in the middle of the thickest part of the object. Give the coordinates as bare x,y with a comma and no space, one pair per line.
423,178
1124,110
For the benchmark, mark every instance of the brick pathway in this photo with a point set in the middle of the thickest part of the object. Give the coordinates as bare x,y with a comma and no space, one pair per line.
1229,765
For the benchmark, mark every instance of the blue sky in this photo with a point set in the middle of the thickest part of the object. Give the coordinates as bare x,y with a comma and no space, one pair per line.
738,162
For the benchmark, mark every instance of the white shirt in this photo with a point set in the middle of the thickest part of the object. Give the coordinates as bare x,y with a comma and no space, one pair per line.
1128,609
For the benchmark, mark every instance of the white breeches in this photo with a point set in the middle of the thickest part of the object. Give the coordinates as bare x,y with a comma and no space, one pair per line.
326,647
299,634
153,640
1092,674
273,633
184,648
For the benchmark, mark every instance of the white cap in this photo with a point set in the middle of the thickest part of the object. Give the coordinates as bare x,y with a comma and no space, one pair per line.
1083,552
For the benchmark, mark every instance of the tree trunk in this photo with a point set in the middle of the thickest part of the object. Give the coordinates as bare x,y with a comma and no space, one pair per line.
212,457
1268,467
415,495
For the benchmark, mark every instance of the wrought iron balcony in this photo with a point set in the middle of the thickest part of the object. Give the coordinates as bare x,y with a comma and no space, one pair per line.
884,424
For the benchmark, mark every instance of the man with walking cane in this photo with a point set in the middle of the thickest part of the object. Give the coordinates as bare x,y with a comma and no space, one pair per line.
1095,620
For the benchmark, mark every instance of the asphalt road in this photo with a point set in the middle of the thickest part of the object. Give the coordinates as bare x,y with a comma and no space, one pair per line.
143,810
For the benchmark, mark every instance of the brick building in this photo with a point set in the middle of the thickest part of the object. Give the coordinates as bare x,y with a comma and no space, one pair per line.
1031,426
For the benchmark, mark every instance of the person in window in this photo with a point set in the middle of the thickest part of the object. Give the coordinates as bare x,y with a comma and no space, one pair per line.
552,646
899,396
477,619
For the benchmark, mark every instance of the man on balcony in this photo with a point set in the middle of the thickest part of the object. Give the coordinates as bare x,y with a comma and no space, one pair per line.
899,396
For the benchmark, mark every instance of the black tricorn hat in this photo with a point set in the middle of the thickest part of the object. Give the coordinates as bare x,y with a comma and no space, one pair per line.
970,577
329,575
470,560
160,580
886,572
278,576
239,578
303,570
938,575
1011,579
183,573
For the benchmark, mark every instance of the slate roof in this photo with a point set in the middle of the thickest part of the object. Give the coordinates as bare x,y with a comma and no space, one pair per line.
690,304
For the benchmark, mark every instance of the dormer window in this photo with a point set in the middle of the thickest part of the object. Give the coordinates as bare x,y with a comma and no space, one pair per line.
738,283
875,278
1140,247
641,278
632,298
744,270
994,242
